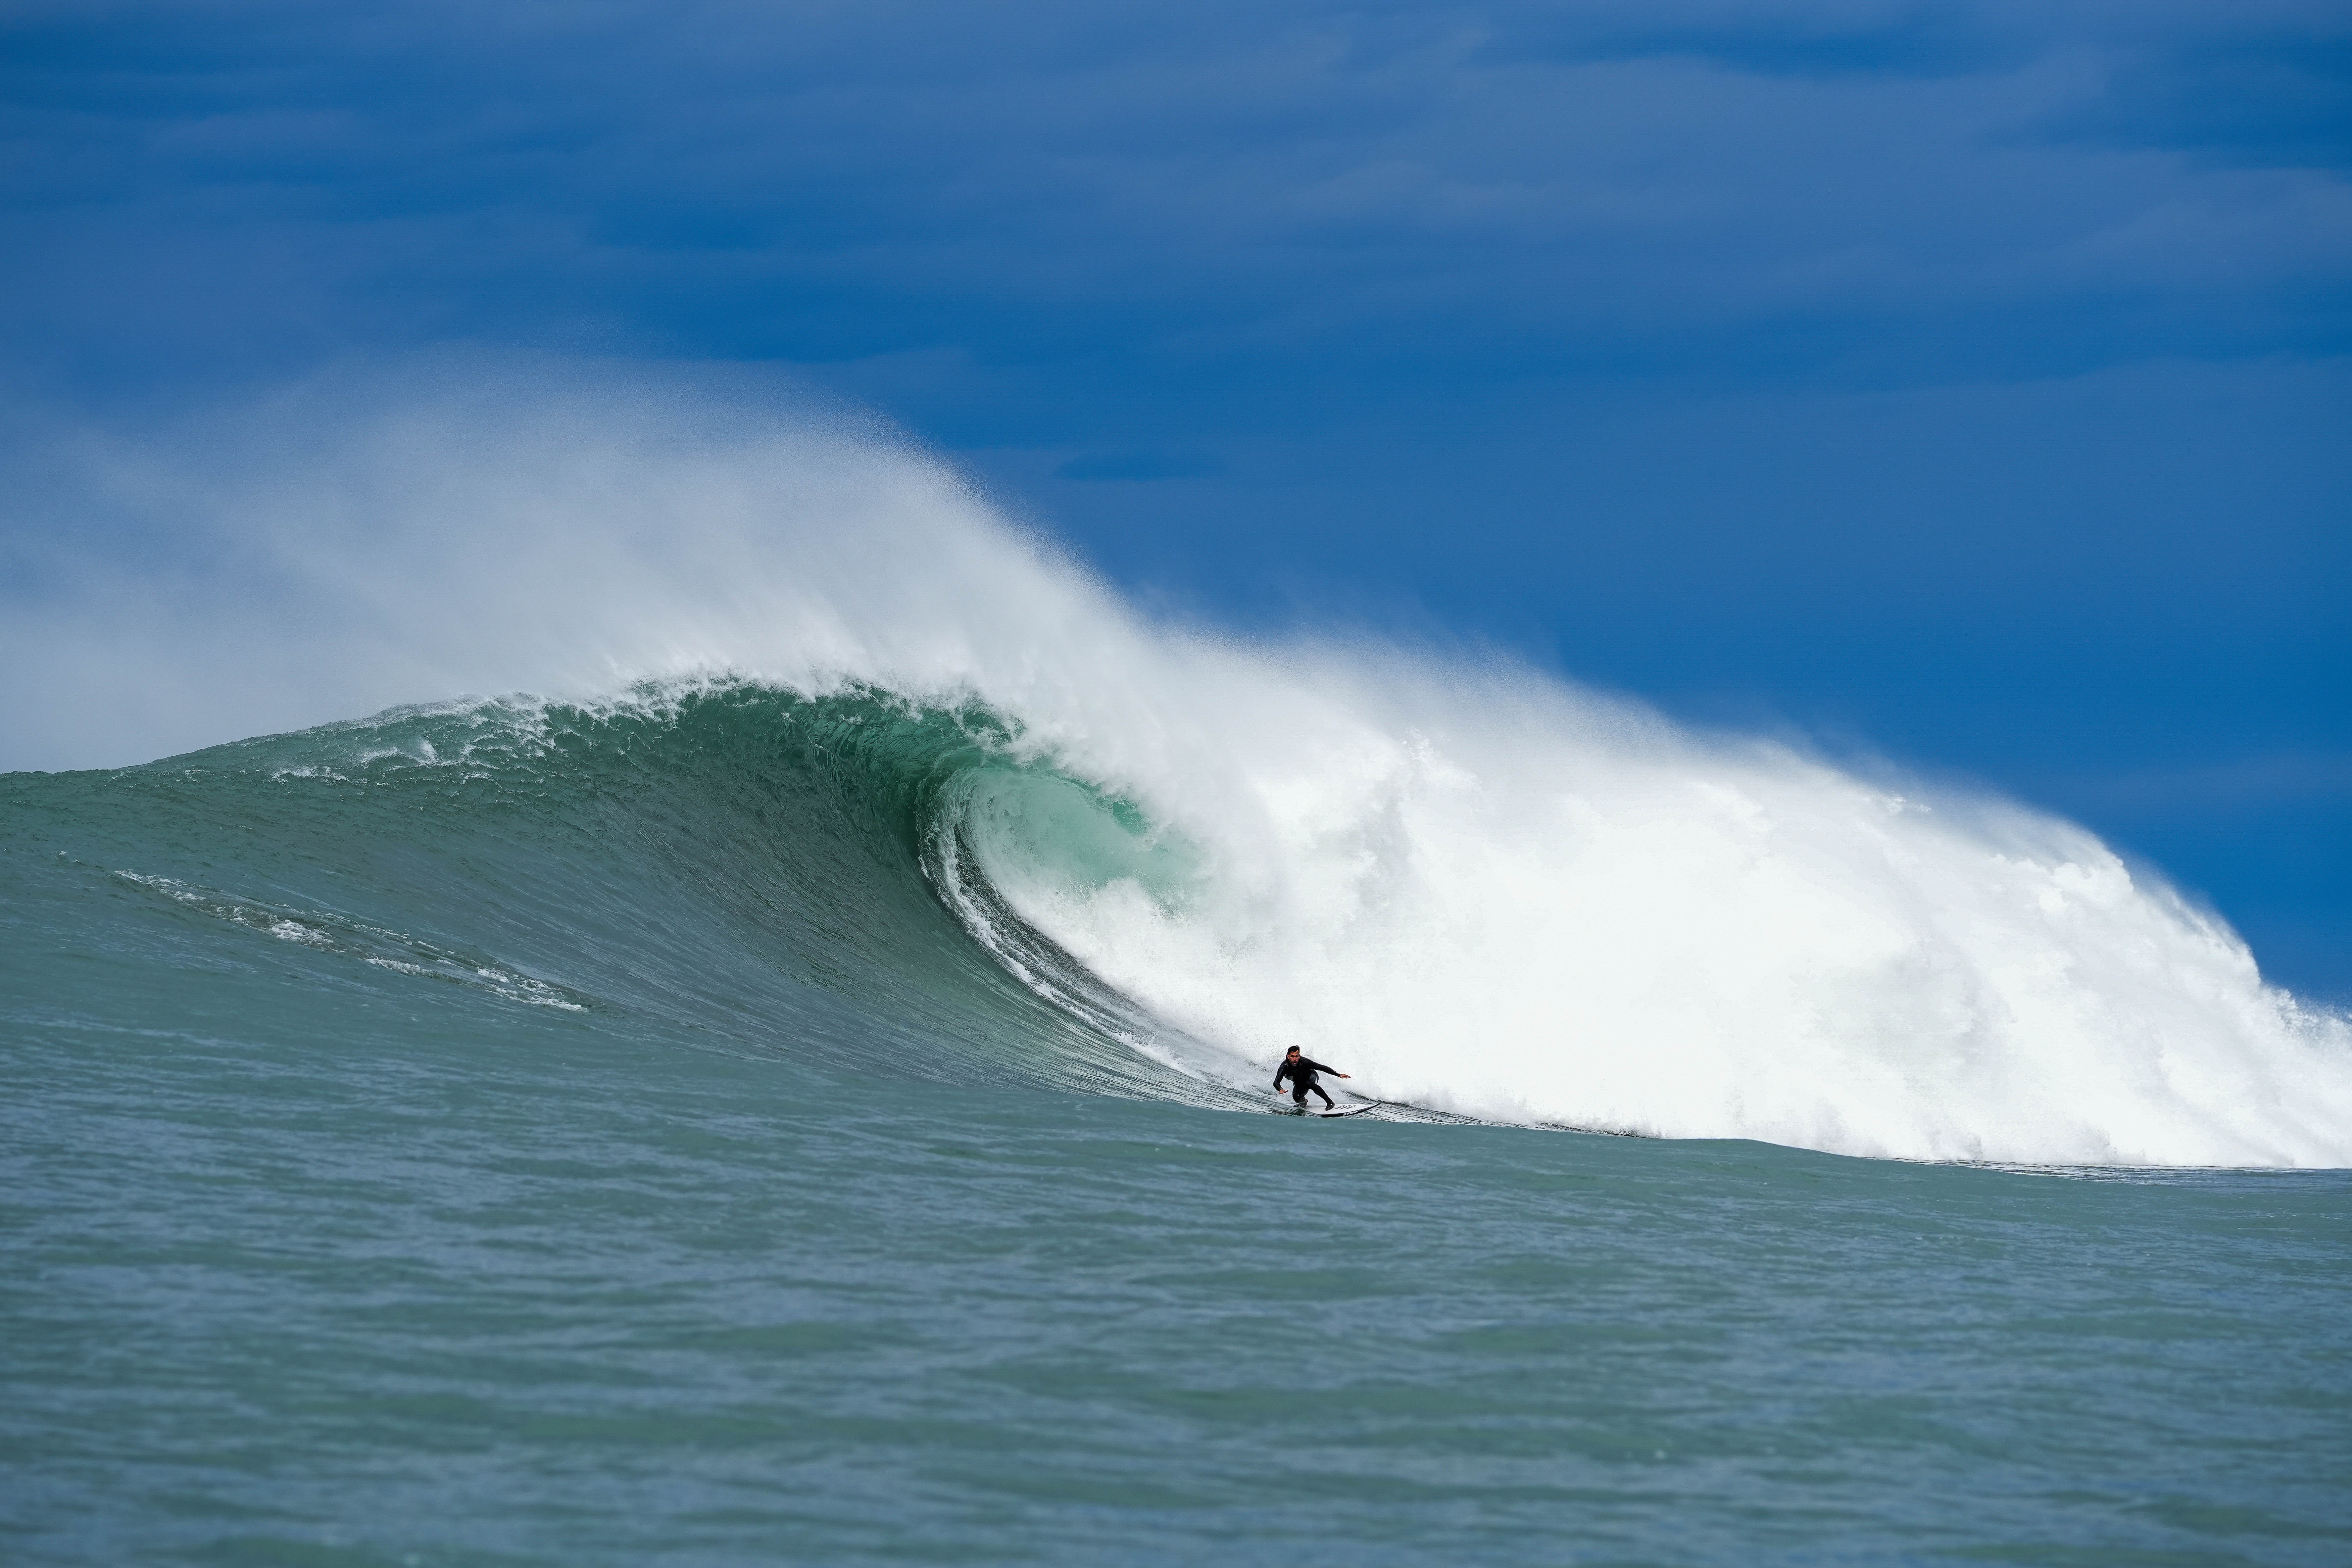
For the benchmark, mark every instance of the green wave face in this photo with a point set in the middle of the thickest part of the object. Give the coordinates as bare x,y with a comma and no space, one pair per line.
729,865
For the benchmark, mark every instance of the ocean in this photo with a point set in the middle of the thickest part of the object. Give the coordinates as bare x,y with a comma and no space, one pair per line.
798,1088
498,1136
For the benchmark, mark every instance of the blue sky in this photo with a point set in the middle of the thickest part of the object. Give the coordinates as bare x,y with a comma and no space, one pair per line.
1970,382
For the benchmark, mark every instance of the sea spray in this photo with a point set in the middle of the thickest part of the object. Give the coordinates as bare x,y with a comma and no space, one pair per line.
1483,890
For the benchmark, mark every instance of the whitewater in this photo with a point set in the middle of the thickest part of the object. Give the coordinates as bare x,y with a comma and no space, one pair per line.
1493,895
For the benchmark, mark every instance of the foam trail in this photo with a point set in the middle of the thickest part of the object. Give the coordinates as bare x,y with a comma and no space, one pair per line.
1481,890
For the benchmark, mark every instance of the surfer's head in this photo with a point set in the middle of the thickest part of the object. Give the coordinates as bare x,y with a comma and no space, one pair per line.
1293,1051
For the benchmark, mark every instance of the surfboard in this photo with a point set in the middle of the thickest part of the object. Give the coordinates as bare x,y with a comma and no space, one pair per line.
1338,1111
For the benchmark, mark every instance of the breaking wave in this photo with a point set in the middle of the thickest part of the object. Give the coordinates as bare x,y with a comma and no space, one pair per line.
921,764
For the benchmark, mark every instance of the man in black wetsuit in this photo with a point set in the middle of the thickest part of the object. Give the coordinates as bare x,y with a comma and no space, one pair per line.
1301,1074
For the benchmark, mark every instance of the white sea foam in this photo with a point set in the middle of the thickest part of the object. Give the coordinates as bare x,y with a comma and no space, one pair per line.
1474,888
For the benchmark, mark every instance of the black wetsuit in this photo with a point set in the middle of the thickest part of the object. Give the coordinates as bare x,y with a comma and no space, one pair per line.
1301,1074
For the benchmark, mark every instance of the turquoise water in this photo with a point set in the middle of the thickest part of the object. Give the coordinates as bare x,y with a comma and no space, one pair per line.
490,1136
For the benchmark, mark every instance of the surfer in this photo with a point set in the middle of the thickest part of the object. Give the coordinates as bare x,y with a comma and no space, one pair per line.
1301,1074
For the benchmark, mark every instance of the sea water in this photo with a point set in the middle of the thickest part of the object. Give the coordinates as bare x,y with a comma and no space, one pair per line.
798,1088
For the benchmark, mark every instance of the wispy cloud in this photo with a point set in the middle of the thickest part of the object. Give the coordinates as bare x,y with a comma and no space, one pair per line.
1297,186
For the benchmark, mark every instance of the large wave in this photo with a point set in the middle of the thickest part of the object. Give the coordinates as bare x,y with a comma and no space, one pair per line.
1481,890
